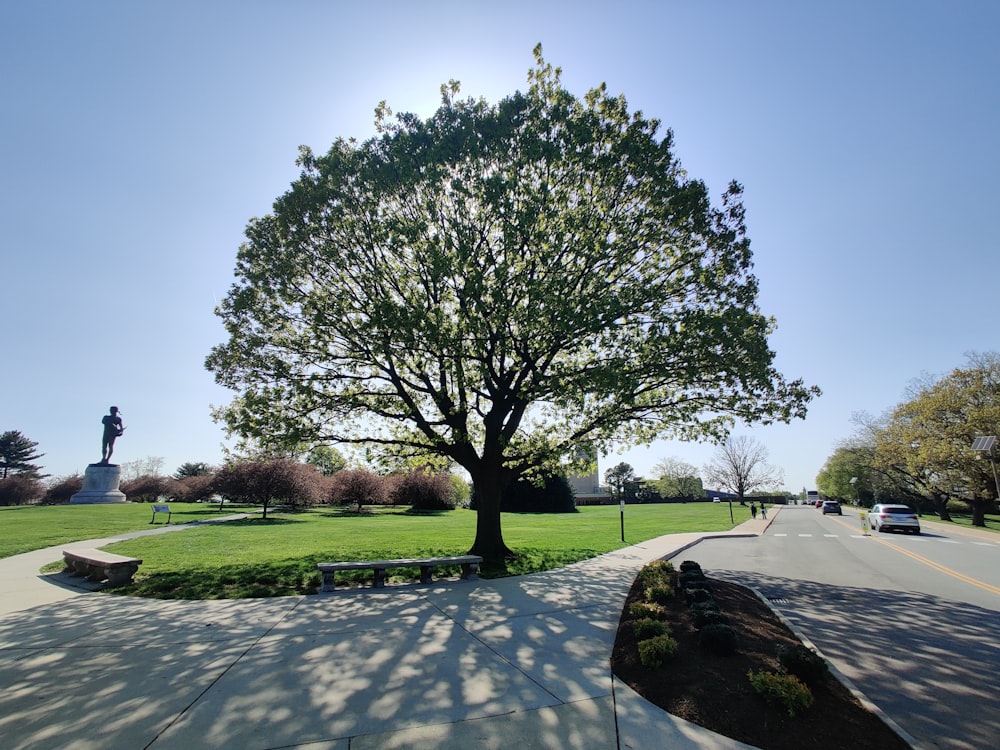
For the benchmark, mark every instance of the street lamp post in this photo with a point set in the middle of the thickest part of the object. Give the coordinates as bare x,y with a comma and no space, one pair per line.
622,507
857,495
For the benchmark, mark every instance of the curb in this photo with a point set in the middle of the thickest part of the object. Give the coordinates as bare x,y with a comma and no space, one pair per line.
841,677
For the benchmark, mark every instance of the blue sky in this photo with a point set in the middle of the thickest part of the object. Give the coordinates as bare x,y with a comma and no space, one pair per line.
137,139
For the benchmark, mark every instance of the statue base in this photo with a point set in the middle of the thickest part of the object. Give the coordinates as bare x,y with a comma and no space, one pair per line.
100,485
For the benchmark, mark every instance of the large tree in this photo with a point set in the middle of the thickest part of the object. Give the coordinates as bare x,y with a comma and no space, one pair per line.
928,438
267,481
740,465
618,478
496,285
17,455
677,478
848,474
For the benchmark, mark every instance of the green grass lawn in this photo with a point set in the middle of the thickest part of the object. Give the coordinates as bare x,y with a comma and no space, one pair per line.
30,527
276,557
965,519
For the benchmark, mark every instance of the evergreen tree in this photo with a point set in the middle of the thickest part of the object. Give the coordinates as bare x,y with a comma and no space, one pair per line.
17,453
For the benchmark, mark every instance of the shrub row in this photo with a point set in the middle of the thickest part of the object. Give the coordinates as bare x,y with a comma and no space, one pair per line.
655,642
789,688
715,634
800,667
784,690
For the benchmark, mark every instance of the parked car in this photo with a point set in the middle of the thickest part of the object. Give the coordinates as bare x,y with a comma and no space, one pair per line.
885,517
830,507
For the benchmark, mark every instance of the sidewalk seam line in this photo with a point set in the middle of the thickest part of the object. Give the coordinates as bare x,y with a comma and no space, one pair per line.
223,673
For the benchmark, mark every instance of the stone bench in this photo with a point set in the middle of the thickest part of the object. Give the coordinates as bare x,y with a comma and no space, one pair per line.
468,563
98,566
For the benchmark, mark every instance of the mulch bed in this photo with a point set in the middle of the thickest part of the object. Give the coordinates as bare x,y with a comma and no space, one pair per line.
715,692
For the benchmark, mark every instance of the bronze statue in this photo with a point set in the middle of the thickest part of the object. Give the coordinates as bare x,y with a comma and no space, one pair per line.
113,428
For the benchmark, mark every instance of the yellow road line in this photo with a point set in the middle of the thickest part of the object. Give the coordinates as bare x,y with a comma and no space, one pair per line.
942,568
932,564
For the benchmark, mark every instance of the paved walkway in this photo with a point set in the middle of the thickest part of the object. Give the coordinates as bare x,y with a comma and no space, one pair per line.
519,662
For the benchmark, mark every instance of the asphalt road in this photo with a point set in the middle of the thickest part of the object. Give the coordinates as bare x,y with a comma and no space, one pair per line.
913,621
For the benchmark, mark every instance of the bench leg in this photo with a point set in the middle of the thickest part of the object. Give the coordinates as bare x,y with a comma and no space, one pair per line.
379,578
329,584
121,576
425,573
470,571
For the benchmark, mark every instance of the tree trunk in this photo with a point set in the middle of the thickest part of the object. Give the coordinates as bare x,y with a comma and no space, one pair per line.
489,536
979,508
941,507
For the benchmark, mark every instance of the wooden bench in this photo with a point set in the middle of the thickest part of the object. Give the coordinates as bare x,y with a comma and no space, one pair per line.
98,566
468,563
161,509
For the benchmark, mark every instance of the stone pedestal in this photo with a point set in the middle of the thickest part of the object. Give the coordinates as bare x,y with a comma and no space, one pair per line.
100,485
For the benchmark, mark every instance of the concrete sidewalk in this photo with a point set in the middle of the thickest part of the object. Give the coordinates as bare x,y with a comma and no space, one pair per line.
513,662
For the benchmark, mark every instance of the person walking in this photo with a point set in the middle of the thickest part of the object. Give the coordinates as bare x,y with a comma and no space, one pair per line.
753,509
763,511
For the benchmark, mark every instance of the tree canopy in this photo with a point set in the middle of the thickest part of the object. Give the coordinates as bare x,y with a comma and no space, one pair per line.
193,469
677,478
920,452
496,285
927,440
618,476
850,461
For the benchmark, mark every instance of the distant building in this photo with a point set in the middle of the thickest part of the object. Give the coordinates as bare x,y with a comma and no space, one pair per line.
587,487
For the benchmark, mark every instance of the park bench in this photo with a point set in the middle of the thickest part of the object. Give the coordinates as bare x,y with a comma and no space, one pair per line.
98,565
468,563
161,509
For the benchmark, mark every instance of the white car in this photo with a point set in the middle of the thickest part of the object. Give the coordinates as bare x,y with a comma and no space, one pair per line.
886,517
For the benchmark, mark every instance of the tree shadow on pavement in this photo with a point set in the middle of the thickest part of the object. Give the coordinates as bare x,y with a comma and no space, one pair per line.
121,672
934,673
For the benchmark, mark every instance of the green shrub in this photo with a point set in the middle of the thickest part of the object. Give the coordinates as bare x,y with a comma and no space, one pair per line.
659,572
654,651
661,567
718,638
799,661
695,583
694,596
692,576
687,565
641,610
709,617
659,593
784,690
709,605
647,628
